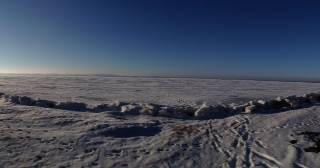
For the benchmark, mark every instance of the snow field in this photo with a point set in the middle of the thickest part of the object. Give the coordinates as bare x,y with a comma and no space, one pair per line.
205,111
76,122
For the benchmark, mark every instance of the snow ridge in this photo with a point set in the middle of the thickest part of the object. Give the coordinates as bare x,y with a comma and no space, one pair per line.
205,111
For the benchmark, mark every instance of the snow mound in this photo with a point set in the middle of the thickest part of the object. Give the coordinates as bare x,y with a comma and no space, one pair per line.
205,111
72,106
115,106
208,111
279,104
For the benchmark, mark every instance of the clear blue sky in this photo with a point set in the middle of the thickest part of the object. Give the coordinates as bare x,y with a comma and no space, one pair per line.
240,38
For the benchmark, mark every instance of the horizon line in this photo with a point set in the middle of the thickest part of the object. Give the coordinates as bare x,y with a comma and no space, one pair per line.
168,76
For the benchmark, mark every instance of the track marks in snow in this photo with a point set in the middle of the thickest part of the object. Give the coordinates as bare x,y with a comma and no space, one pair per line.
293,154
214,139
114,153
241,144
298,125
235,143
267,157
260,144
227,153
299,165
244,145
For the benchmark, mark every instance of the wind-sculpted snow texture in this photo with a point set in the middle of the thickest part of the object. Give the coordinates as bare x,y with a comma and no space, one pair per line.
76,122
205,111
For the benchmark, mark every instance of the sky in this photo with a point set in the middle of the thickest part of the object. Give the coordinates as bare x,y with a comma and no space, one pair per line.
265,39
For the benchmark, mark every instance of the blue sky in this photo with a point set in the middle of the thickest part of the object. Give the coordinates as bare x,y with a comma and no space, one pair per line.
239,39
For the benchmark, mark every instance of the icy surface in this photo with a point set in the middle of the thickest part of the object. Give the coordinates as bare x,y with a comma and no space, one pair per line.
76,124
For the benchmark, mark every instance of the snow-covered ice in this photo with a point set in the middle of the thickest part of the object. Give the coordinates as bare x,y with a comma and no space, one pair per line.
157,122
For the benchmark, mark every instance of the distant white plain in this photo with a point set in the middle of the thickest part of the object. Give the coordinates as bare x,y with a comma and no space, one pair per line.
165,91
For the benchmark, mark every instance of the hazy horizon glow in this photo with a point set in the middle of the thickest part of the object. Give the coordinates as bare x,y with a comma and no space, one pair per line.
251,39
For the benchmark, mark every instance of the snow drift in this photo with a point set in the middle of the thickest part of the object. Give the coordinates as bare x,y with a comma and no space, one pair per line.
204,111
